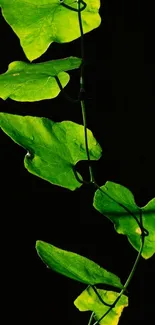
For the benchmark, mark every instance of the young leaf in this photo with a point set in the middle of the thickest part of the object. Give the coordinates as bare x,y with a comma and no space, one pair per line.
117,203
53,148
33,82
38,23
75,266
88,300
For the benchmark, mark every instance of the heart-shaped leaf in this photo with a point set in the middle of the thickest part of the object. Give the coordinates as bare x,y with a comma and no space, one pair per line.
36,81
53,148
88,300
75,266
117,203
38,23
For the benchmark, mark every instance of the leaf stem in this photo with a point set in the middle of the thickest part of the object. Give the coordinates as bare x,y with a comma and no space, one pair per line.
126,283
70,99
100,298
91,318
71,8
82,91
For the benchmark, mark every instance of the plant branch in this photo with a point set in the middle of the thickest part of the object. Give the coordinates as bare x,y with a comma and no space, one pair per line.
82,92
127,281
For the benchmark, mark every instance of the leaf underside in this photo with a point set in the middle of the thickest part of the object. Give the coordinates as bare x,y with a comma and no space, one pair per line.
117,203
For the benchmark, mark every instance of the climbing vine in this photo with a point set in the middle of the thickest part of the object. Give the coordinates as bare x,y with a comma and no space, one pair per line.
54,148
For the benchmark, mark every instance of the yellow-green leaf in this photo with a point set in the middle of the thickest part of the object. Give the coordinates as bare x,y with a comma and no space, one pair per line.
36,81
89,301
38,23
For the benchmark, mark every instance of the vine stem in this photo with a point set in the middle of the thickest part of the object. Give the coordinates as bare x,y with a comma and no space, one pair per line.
82,91
91,318
126,283
140,223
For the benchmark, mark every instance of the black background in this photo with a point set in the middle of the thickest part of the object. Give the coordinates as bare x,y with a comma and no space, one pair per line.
120,80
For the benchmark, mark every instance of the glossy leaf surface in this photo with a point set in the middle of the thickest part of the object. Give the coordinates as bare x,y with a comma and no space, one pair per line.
53,148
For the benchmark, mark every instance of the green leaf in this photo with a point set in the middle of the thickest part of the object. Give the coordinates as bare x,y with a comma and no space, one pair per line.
75,266
53,148
33,82
88,300
38,23
117,203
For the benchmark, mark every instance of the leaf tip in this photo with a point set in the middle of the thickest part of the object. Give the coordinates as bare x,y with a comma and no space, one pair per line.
38,245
